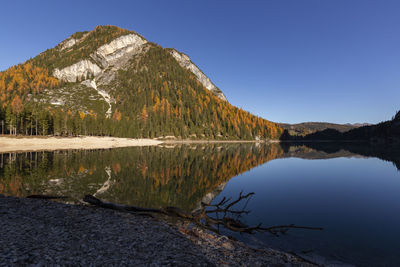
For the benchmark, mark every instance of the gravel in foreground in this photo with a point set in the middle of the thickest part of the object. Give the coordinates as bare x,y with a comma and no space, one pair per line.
39,232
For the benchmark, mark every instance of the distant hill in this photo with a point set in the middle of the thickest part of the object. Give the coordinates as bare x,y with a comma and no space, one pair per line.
305,128
387,131
112,81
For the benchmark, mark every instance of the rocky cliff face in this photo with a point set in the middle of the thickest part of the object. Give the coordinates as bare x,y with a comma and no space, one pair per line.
185,62
116,53
122,48
83,68
70,42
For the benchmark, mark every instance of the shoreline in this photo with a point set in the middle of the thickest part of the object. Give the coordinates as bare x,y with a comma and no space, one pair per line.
51,143
43,232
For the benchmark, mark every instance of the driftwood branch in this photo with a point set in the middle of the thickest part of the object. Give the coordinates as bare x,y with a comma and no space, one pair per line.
108,205
46,197
202,217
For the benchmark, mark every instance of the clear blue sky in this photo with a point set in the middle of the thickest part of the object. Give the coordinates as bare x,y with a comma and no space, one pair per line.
287,61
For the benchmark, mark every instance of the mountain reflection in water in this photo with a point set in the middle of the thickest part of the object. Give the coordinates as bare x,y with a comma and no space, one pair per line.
181,175
146,176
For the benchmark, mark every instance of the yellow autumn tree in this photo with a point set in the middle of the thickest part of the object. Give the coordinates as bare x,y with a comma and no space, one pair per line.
117,115
144,114
16,105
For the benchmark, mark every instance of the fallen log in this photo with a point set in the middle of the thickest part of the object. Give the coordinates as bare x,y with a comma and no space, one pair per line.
108,205
171,211
46,197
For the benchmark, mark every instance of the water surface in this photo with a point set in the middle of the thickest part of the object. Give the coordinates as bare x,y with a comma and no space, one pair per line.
352,191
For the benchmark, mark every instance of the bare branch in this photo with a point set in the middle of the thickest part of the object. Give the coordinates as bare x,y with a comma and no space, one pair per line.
241,197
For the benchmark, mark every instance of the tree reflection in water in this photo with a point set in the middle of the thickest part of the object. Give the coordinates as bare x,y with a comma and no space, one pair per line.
181,175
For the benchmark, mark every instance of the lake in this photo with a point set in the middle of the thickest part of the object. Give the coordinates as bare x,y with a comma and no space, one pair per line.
350,190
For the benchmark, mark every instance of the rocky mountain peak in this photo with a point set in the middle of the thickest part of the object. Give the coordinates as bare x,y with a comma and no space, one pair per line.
111,48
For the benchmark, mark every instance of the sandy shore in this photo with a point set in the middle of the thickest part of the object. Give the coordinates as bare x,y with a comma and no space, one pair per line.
11,144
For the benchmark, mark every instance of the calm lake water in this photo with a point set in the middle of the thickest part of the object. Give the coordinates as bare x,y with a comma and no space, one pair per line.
351,190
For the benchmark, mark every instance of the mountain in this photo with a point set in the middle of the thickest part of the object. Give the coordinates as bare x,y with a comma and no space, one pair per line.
112,81
312,127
